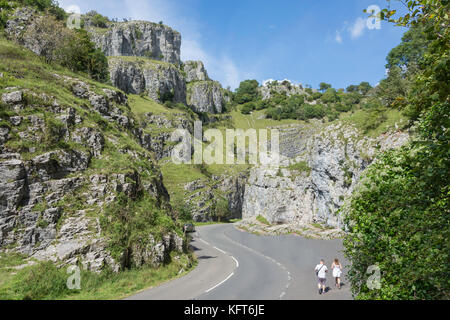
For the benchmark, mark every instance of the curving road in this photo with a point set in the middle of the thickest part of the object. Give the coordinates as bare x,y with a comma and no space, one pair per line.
236,265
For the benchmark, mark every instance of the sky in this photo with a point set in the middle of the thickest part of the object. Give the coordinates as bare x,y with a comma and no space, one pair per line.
305,41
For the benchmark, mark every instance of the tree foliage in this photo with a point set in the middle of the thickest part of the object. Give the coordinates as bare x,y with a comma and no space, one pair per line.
399,219
247,92
70,48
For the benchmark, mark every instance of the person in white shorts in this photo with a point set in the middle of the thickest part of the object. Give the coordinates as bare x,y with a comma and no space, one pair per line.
321,270
337,272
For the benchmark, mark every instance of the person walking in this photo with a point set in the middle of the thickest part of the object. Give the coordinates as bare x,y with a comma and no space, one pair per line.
321,270
337,272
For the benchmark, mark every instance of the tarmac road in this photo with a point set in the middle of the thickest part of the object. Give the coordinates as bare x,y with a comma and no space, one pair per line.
236,265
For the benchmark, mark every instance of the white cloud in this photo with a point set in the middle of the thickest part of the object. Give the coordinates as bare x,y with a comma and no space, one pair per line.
338,37
357,29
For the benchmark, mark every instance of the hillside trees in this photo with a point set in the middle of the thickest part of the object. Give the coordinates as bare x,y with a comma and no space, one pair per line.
247,92
69,48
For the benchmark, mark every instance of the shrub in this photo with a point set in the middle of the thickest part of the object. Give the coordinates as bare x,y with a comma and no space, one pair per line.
330,96
99,21
69,48
41,281
130,221
247,92
248,107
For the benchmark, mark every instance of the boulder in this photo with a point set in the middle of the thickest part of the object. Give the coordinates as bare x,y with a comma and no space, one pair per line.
12,97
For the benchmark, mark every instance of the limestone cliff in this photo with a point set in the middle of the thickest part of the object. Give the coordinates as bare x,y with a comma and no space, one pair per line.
195,71
319,169
62,165
205,96
160,81
138,39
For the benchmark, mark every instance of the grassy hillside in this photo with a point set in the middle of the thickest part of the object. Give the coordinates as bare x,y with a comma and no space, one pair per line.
48,96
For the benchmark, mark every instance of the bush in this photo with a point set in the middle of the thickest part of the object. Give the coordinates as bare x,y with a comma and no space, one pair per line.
248,107
330,96
99,21
168,95
69,48
247,92
130,221
41,281
398,220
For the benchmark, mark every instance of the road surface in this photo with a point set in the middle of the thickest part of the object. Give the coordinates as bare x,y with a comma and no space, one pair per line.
236,265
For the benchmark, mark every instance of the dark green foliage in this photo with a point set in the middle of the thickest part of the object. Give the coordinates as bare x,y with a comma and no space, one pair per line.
98,20
324,86
168,95
51,6
411,50
400,218
222,209
247,92
4,12
248,107
400,222
41,281
330,96
80,54
182,211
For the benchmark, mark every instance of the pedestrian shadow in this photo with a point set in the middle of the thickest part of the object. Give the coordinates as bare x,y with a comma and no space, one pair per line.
206,257
328,289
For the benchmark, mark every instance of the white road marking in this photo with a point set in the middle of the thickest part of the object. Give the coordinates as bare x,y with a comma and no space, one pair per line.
204,241
235,260
220,250
268,258
220,283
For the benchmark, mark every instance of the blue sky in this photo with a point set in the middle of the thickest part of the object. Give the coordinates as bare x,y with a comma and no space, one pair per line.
306,41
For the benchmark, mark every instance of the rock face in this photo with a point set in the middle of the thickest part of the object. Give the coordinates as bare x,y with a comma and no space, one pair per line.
139,39
51,200
160,81
329,164
270,88
205,96
195,71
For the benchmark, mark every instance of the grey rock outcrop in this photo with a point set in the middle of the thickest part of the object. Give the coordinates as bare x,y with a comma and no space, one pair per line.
139,39
156,79
269,89
332,160
205,96
51,202
195,71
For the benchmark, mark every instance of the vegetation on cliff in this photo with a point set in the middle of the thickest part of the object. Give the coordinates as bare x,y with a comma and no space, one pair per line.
398,220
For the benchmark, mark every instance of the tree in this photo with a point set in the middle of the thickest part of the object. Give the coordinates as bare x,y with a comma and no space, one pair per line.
330,96
364,87
324,86
411,50
352,88
222,209
247,92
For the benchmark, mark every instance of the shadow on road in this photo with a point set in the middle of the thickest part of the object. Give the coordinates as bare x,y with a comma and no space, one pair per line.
206,257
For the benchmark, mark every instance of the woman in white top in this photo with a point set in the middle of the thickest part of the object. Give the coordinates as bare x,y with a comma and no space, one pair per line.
337,272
